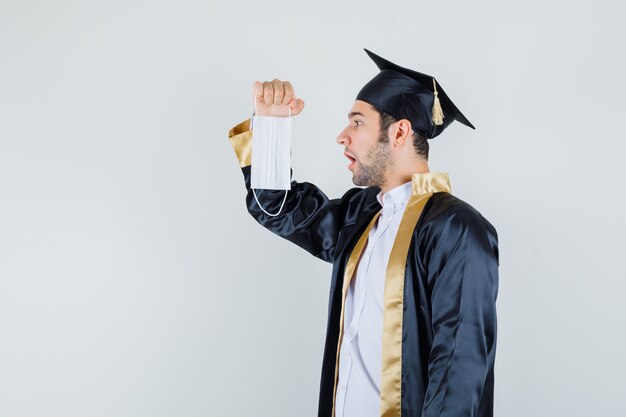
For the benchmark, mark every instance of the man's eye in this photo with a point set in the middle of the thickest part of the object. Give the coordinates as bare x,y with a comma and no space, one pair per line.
358,122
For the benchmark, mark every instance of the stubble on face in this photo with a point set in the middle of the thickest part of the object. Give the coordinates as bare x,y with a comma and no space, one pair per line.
374,173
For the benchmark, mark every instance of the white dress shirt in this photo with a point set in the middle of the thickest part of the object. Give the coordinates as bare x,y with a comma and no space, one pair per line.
360,355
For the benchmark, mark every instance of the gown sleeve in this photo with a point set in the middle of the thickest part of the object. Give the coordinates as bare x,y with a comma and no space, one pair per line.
463,274
308,218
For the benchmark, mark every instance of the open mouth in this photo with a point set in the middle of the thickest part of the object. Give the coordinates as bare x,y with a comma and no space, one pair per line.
352,161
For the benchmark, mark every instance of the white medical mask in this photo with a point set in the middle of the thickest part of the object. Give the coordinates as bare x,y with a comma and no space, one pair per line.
271,155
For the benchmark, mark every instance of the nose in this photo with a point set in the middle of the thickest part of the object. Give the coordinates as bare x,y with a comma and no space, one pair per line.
343,138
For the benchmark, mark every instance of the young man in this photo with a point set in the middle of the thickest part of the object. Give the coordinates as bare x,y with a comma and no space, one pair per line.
412,317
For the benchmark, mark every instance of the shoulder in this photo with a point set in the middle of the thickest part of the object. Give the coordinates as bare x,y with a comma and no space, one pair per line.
449,214
451,226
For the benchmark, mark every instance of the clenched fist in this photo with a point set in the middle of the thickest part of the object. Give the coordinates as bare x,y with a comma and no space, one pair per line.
273,98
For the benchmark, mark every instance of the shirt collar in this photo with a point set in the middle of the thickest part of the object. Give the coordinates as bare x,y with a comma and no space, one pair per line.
396,196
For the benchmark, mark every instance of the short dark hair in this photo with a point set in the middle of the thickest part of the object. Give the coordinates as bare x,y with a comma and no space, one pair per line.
420,143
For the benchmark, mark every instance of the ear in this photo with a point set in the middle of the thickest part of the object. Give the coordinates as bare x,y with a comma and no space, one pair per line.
401,132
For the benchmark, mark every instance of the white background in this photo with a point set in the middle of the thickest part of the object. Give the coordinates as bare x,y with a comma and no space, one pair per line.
133,282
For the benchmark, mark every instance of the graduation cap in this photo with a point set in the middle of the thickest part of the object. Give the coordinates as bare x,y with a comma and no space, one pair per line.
407,94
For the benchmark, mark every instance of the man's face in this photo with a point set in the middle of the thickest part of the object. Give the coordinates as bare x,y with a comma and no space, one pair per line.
369,158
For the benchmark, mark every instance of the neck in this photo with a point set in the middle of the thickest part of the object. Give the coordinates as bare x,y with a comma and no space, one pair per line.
399,176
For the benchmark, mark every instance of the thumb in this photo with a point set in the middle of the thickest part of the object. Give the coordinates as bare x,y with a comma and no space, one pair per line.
297,104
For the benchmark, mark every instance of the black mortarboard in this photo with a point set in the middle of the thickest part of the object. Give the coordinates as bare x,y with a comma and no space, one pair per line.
407,94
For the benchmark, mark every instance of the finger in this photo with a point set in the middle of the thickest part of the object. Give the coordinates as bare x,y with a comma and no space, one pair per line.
289,93
268,92
257,89
279,91
296,105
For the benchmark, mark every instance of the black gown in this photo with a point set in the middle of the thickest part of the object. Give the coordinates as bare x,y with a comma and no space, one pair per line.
441,349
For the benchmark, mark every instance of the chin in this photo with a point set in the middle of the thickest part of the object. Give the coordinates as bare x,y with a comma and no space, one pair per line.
355,181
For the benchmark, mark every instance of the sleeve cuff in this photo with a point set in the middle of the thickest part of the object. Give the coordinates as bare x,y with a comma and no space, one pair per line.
240,138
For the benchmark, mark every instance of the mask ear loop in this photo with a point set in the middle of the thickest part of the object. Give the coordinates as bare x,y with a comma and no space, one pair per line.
286,191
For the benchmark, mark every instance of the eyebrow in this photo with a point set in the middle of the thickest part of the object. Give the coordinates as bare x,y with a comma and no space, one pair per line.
355,113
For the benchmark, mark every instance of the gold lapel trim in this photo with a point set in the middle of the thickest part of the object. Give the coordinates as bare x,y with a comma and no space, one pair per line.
430,182
424,185
391,379
353,261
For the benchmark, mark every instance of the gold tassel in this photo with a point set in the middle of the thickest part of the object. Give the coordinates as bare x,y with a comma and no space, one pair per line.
437,111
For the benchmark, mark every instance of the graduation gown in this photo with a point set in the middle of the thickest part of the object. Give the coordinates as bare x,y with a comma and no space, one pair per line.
439,325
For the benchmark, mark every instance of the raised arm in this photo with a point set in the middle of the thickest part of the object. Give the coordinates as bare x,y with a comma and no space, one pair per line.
308,218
